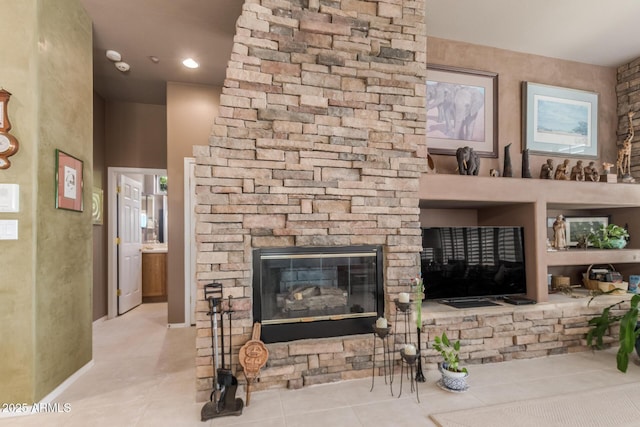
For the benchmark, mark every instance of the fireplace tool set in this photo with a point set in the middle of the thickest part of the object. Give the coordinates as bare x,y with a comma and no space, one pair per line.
223,401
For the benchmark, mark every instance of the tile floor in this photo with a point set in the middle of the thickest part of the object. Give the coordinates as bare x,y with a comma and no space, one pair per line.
144,376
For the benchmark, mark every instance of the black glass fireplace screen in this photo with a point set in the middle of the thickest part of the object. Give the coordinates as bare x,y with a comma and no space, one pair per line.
294,287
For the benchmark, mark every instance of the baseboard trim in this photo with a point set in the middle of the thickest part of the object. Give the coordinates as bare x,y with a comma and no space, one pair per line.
28,410
100,320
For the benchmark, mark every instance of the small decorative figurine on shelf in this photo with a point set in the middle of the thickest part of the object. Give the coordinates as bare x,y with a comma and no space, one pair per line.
560,233
606,167
562,171
468,161
546,171
507,170
623,163
577,172
591,172
526,172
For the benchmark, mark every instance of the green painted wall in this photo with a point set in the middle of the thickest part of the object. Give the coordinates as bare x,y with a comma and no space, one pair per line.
45,285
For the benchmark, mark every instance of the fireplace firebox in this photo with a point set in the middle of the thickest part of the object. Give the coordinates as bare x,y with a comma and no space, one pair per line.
317,292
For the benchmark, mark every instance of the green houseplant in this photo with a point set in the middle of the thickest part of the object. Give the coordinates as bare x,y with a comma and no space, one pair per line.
609,237
453,376
629,332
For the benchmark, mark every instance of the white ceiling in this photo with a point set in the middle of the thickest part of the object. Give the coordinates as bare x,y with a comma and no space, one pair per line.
590,31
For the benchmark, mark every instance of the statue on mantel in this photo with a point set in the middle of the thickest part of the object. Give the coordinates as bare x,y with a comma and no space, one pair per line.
546,171
562,171
591,172
507,171
623,163
526,172
577,172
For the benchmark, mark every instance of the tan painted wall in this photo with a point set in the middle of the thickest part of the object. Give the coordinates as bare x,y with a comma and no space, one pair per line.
136,135
514,68
190,112
45,297
17,288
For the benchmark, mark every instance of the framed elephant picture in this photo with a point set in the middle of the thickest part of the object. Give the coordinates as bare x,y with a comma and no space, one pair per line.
462,110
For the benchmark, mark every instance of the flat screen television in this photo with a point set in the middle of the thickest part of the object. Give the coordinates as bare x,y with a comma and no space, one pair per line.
471,262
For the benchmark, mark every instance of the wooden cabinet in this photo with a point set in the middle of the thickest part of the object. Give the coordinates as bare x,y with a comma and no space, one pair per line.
457,200
154,277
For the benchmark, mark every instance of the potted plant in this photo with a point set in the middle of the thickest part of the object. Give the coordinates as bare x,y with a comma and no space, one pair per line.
453,376
609,237
629,331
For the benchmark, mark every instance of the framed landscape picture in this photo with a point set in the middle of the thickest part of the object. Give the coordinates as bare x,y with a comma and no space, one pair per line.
560,121
462,110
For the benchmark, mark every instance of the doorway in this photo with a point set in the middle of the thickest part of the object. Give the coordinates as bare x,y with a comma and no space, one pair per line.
135,229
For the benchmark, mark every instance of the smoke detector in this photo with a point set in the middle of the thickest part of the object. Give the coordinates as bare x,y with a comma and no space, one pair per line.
114,55
122,66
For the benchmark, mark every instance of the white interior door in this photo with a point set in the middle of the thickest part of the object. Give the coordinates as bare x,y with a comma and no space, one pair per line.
130,246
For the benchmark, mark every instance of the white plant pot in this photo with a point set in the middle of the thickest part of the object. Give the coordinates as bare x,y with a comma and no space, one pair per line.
454,380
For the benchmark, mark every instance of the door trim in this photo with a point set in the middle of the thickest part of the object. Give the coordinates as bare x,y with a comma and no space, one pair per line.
190,287
112,232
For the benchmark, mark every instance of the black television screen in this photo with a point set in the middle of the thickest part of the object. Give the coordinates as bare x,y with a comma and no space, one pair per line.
464,262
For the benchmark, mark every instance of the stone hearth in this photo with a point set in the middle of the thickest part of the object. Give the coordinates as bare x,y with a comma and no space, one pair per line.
319,142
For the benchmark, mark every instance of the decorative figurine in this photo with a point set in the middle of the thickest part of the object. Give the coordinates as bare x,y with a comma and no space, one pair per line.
562,171
546,171
526,172
623,164
577,172
606,168
560,233
507,171
591,172
494,173
468,161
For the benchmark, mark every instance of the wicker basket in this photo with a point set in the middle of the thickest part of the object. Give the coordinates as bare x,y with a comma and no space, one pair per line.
616,288
594,284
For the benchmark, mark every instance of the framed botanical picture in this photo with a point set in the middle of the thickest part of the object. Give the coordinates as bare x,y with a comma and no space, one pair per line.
462,110
68,182
560,121
583,226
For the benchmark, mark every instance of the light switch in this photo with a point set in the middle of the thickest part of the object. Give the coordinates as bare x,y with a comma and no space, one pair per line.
8,229
9,198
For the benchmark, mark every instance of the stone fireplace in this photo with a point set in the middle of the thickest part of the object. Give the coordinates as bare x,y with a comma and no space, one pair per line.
319,143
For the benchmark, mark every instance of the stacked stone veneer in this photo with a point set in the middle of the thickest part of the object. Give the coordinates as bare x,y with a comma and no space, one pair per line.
504,333
628,92
319,142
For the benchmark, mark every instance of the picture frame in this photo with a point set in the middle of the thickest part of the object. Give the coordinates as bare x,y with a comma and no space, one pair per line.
559,121
450,124
69,182
583,225
97,201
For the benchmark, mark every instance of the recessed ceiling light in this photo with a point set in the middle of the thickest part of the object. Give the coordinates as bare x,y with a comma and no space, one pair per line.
190,63
154,59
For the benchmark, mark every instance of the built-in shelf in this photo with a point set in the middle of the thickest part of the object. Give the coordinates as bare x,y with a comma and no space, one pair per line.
528,203
592,256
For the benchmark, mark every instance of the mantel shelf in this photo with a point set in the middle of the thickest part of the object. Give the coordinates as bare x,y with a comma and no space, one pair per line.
592,256
468,191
